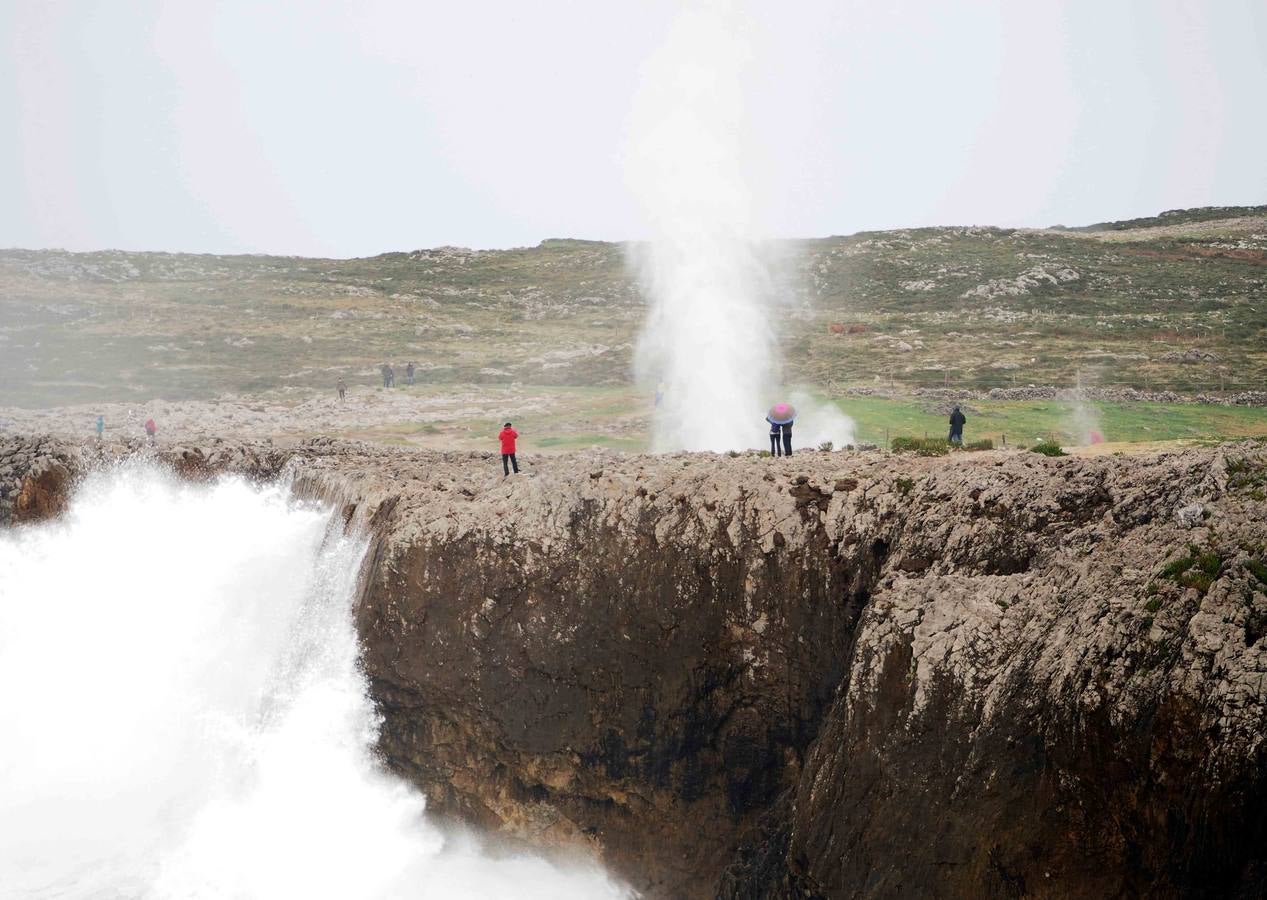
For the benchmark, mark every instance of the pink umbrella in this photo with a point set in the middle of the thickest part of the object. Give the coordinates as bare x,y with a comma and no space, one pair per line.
782,413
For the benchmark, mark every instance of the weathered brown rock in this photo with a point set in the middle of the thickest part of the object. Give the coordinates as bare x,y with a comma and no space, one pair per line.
832,675
35,476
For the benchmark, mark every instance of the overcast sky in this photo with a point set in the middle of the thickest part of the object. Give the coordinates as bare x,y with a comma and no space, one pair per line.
352,128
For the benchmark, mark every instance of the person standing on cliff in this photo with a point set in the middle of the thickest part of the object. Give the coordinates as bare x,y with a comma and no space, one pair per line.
151,429
342,388
101,427
507,438
957,421
409,374
780,418
776,432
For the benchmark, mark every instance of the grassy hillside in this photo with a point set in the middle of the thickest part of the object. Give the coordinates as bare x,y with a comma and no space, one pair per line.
1178,301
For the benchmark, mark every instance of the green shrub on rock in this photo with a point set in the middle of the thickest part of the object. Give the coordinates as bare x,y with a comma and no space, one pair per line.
1049,448
920,446
1196,569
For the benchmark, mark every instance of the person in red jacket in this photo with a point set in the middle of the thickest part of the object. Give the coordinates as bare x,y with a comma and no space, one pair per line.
151,429
507,437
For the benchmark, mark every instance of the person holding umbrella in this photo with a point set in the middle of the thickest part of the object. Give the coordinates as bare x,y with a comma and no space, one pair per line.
776,432
782,415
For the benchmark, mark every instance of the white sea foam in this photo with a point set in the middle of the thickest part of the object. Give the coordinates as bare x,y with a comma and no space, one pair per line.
184,715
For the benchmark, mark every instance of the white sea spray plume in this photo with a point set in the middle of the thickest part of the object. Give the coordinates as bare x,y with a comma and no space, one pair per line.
708,339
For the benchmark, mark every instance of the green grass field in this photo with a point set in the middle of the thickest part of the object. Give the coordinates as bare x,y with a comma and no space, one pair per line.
1025,422
555,418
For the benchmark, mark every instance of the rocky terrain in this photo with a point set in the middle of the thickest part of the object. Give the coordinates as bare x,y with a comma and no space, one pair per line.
1166,303
834,675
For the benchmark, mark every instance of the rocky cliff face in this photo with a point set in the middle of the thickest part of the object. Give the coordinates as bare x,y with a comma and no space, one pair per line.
35,478
835,675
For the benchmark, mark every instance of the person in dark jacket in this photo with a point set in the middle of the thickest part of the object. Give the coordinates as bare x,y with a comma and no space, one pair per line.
507,438
409,374
776,433
957,421
786,428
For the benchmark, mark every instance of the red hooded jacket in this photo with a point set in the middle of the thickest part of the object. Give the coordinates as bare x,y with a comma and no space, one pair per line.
507,437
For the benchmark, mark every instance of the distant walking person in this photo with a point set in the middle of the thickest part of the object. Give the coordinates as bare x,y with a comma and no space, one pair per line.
151,429
409,374
957,421
386,372
507,437
101,427
776,433
342,389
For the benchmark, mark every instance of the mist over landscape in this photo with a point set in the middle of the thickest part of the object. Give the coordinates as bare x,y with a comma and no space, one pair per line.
694,449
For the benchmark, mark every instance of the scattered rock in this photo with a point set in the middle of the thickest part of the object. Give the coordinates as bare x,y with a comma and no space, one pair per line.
1190,516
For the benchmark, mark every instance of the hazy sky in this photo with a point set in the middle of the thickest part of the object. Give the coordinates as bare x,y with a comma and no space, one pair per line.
351,128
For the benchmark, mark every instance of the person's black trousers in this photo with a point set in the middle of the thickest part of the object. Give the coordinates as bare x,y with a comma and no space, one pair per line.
508,460
787,440
774,444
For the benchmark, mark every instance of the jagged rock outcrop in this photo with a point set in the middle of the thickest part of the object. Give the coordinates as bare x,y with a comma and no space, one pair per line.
837,675
35,476
1090,724
833,675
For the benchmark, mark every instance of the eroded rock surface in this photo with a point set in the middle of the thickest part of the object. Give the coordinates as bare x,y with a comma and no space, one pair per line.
833,675
836,675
